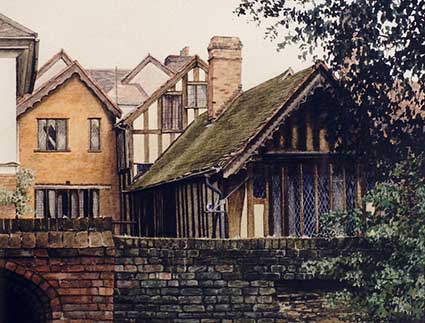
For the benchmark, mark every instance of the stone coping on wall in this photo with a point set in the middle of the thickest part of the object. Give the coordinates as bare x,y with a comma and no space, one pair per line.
293,243
56,240
63,224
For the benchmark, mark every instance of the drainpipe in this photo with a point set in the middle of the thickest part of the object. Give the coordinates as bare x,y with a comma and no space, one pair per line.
216,211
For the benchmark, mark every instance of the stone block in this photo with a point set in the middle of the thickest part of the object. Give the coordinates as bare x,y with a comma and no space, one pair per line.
28,240
95,239
55,239
15,240
42,239
81,240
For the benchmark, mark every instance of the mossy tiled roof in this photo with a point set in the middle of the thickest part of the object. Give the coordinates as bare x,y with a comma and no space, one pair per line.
205,145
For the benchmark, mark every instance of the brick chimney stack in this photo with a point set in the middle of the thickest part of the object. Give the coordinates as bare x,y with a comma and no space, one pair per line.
224,73
185,51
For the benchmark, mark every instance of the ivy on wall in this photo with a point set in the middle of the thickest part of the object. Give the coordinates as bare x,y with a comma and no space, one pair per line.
20,197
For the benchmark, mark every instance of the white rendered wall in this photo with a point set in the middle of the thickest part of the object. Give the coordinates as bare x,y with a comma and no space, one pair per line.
8,134
150,78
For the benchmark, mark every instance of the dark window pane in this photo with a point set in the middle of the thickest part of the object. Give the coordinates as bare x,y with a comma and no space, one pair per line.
276,198
309,200
338,188
172,112
259,184
350,179
294,201
51,135
323,187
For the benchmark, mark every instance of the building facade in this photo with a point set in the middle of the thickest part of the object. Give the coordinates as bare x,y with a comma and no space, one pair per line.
259,163
67,139
18,63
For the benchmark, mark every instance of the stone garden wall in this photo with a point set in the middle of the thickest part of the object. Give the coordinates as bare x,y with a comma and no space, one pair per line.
258,280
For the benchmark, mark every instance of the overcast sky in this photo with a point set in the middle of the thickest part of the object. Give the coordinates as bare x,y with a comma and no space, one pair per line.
109,33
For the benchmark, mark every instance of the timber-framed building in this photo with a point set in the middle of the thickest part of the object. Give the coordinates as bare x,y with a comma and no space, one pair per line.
259,163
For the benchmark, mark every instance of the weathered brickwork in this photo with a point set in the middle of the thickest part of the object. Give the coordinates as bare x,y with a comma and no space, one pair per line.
70,272
258,280
76,271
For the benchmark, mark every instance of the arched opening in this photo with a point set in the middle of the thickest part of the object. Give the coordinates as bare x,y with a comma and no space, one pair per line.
22,301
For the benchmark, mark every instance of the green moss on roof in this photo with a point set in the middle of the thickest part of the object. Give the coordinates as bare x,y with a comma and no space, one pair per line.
206,145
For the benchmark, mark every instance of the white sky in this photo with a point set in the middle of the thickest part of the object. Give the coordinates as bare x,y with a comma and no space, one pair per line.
108,33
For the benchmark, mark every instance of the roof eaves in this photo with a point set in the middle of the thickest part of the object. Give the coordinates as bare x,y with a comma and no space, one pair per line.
75,68
136,187
240,156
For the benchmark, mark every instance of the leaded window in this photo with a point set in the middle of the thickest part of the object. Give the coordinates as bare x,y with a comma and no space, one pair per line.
172,116
197,95
52,134
301,192
71,203
94,134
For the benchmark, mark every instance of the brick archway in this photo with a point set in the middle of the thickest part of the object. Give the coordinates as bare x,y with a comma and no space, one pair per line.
38,300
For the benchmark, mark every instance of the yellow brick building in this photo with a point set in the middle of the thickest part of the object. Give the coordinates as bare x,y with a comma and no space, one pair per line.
67,138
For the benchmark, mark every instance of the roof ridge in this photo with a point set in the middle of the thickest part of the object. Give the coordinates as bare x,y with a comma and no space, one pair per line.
52,60
159,91
17,25
58,80
148,59
229,139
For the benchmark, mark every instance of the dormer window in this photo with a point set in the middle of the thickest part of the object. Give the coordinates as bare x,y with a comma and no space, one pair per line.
172,112
197,95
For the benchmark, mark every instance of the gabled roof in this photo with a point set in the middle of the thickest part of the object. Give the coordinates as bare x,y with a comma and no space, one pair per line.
75,68
107,78
59,56
171,82
148,59
176,62
226,144
11,28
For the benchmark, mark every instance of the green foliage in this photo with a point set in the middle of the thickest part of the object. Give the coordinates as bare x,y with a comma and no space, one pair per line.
385,281
376,47
19,198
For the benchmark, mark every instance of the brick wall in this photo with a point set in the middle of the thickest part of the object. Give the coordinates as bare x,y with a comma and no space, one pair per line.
258,280
77,166
74,271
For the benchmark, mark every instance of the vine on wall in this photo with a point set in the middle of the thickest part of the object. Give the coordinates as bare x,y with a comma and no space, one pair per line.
20,197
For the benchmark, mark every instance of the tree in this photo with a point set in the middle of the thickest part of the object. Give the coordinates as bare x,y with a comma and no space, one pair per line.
377,50
385,279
